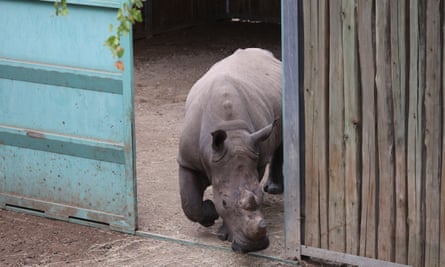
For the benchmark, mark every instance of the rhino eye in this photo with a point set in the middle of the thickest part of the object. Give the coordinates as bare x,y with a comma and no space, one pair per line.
224,203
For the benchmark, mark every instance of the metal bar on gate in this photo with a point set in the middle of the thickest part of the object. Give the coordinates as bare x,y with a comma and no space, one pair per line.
346,258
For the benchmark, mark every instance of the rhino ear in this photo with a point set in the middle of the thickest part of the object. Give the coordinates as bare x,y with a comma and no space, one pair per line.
264,133
219,136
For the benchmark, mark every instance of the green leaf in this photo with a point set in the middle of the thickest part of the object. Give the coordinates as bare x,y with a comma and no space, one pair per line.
120,15
120,52
61,8
112,41
139,4
127,15
116,40
127,26
138,16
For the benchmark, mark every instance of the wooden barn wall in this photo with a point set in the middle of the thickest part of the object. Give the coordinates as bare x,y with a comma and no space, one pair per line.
172,14
261,10
374,129
166,15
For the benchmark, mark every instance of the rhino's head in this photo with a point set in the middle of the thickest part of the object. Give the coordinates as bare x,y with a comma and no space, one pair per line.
237,193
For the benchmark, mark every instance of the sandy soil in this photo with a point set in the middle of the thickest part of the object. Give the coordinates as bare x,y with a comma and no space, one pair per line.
166,66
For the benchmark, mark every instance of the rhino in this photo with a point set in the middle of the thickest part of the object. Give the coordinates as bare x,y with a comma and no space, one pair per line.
232,131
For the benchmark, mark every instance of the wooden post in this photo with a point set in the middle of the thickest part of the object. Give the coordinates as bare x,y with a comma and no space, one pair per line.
368,227
385,134
433,132
414,135
442,179
352,122
313,127
398,59
321,101
311,229
291,133
336,213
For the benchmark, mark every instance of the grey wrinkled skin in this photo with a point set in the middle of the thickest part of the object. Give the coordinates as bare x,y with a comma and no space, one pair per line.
232,130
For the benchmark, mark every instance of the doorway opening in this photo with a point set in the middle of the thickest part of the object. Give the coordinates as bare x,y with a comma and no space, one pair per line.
166,66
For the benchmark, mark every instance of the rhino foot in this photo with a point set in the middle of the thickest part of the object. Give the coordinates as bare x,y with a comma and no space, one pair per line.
224,233
252,246
273,188
210,214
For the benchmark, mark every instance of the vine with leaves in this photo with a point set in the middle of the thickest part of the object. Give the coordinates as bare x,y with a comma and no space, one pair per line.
127,15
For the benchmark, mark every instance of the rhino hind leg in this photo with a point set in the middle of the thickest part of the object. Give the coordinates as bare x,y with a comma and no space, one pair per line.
192,186
274,184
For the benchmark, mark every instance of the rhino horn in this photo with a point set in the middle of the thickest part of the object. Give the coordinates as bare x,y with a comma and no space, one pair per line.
264,133
256,227
248,200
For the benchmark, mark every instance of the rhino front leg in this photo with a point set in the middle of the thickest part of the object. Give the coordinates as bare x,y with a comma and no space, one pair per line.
274,184
192,186
224,233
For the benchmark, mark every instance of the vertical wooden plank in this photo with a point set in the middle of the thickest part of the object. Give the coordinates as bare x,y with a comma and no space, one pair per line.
398,59
442,181
415,128
321,101
368,220
291,136
433,133
336,125
312,226
384,134
352,120
316,126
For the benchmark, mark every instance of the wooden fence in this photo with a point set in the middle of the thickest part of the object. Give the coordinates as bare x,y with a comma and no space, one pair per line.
166,15
374,129
262,10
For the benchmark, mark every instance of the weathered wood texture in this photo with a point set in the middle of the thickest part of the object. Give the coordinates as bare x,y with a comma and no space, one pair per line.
368,242
433,133
352,118
374,75
291,133
385,134
310,70
336,145
442,190
415,132
398,81
315,95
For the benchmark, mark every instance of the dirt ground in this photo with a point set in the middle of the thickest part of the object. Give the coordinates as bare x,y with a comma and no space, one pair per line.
166,66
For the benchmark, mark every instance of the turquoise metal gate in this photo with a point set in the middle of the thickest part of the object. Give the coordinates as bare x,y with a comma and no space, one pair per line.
66,115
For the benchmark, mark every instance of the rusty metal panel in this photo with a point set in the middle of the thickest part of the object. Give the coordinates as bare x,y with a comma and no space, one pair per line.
66,115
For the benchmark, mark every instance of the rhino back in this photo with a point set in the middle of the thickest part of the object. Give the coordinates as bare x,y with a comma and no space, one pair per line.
244,86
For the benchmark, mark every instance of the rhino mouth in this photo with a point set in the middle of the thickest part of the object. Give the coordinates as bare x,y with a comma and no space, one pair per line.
250,245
